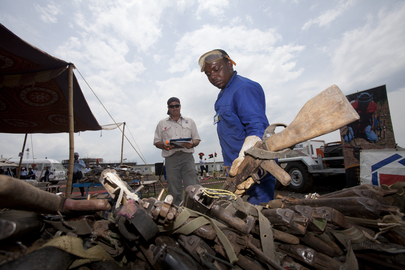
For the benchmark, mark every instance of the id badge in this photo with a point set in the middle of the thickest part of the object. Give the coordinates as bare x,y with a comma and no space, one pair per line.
217,118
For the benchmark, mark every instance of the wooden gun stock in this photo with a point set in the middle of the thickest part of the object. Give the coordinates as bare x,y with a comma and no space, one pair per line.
324,113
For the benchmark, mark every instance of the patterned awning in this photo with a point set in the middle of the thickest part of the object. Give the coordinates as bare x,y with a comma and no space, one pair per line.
34,91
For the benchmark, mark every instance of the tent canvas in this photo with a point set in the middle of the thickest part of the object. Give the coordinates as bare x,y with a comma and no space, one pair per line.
34,91
39,93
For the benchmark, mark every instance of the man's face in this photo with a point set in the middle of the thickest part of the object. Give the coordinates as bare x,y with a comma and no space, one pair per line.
174,108
219,72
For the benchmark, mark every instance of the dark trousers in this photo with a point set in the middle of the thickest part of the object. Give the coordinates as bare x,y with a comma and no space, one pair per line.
76,177
202,168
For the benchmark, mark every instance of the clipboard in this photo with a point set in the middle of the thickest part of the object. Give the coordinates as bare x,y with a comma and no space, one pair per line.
177,142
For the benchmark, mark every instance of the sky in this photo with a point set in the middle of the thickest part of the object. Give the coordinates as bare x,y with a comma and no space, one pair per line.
132,56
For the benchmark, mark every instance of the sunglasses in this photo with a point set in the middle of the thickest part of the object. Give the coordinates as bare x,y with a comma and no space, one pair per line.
174,106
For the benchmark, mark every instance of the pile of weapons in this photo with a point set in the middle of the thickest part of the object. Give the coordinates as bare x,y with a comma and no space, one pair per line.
213,229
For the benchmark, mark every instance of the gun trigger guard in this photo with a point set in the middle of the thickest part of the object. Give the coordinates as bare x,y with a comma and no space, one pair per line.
271,130
255,177
265,154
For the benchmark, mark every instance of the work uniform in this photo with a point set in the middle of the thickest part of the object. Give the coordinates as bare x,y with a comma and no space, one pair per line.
179,162
241,112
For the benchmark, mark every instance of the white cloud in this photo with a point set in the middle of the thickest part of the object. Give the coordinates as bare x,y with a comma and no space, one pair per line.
239,38
48,13
249,19
373,52
330,15
138,22
183,5
106,60
157,58
235,21
213,7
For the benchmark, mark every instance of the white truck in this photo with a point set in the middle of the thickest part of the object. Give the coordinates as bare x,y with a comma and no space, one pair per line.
314,158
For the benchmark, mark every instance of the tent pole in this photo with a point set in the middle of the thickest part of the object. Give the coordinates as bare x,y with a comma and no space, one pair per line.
21,157
71,134
122,145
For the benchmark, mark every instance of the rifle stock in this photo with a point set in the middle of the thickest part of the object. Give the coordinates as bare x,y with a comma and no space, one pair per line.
324,113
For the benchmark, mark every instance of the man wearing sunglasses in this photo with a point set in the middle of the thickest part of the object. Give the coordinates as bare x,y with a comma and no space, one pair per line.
240,118
179,160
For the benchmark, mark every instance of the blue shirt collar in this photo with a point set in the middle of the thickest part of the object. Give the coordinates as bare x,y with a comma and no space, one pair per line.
231,80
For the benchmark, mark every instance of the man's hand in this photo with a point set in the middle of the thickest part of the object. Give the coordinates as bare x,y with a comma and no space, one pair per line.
250,141
167,145
164,146
244,186
188,145
191,144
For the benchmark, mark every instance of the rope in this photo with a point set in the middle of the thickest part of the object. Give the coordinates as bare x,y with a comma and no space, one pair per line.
219,193
122,131
135,141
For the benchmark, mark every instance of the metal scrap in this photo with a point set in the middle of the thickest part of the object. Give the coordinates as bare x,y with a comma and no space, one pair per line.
219,231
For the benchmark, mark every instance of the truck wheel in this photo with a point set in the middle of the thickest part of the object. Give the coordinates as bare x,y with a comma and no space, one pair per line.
301,180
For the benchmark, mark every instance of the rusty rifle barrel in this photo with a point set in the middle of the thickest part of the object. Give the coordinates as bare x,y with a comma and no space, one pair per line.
86,205
351,206
203,231
229,219
285,237
263,256
247,264
317,244
310,256
19,195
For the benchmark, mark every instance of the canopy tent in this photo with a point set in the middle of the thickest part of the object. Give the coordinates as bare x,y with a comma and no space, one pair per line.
34,91
40,94
112,126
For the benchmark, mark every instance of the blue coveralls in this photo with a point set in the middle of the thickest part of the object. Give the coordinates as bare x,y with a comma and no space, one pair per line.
241,108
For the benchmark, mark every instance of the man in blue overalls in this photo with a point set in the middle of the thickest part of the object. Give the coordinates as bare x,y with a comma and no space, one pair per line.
240,117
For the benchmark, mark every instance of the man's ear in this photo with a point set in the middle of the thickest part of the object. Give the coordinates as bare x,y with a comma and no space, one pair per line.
229,64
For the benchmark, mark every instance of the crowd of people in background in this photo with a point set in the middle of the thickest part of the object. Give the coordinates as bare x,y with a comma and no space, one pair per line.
24,174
